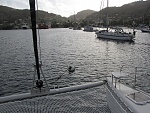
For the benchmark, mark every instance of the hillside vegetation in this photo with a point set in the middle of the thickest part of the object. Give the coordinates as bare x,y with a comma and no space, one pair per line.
138,11
81,15
11,15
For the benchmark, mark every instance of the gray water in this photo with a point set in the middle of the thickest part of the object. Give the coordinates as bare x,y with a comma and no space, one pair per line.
93,58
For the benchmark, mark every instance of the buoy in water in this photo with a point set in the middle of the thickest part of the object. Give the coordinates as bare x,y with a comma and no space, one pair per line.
71,69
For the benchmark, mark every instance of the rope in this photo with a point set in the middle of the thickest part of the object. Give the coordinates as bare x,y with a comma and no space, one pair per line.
57,78
44,78
33,79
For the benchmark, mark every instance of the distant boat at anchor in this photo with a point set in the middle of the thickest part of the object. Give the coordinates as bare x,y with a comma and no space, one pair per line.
116,34
25,26
88,28
146,29
43,26
76,26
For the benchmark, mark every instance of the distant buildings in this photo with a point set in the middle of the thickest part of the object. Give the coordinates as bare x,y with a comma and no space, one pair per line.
43,26
24,24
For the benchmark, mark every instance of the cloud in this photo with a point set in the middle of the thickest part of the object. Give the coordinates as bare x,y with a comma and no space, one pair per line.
55,6
63,7
45,5
51,6
18,4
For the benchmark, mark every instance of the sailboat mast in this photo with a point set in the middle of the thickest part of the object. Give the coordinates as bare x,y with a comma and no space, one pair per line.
74,16
34,33
107,16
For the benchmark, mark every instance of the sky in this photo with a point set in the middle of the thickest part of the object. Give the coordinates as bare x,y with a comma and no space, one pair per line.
64,7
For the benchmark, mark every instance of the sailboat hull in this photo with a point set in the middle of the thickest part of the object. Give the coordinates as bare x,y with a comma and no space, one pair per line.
145,30
88,29
115,36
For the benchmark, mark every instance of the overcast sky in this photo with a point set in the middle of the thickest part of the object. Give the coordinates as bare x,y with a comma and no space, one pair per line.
64,7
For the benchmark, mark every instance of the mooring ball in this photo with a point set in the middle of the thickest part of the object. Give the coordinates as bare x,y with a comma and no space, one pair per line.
39,83
71,69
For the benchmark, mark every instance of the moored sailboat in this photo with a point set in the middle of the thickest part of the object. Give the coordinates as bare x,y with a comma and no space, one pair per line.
88,28
116,34
146,29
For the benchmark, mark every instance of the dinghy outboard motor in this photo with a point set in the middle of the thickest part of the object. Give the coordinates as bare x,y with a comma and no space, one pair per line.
71,69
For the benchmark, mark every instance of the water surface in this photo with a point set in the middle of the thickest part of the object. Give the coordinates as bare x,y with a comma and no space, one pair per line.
93,58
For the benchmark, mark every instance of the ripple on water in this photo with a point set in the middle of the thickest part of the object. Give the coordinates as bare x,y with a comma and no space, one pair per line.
93,58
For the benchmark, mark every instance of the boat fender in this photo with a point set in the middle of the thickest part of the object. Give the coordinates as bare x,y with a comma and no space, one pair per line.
39,83
71,69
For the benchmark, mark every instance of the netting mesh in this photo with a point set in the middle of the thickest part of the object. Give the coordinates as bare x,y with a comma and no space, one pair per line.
91,100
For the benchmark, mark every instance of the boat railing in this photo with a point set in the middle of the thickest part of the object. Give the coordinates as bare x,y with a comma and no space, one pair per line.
130,74
135,76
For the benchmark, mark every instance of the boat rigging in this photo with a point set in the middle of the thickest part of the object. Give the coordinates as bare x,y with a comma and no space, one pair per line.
116,34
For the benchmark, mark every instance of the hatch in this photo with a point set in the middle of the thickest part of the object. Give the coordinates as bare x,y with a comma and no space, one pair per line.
139,98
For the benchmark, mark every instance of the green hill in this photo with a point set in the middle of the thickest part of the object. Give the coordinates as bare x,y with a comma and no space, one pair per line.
81,15
135,11
11,15
138,11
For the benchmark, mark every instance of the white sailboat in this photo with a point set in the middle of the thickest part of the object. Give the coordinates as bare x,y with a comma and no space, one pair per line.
123,99
116,34
76,24
146,30
88,28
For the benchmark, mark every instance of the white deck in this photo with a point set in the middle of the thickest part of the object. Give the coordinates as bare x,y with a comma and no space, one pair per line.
122,91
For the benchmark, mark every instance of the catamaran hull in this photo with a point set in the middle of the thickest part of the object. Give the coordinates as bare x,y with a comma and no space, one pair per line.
114,37
114,106
123,99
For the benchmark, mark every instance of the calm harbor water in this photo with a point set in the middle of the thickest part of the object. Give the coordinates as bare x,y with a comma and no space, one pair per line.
93,58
